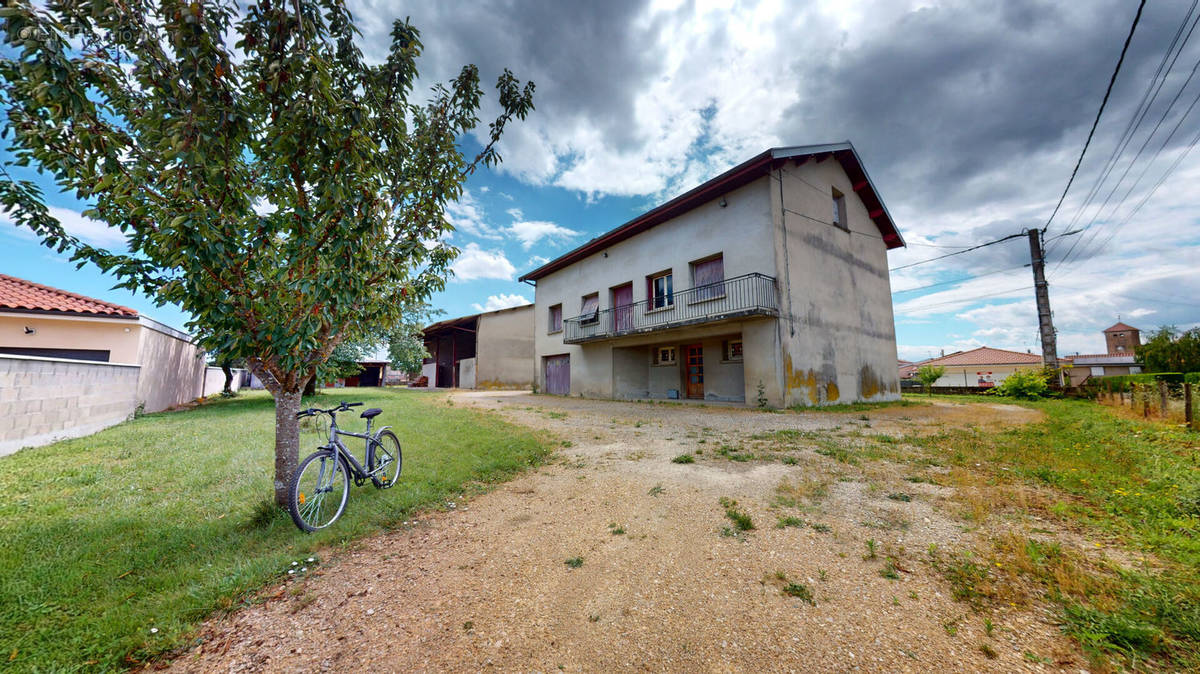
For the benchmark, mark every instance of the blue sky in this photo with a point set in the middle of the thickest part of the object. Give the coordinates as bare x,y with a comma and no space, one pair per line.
969,116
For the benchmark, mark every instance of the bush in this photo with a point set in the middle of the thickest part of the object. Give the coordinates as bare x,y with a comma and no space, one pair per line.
1027,384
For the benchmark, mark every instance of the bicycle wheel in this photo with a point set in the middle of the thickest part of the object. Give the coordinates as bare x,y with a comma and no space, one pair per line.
319,491
388,459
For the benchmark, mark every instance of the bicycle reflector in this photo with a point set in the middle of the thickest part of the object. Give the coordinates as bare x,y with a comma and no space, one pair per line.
301,498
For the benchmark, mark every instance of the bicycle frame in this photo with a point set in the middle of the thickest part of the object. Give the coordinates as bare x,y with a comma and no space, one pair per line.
360,472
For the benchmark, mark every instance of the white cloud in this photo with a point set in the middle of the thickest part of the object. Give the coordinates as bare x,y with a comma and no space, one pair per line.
468,217
536,261
529,232
92,231
501,301
476,263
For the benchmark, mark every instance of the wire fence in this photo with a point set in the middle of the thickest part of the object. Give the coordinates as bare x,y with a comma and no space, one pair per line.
1161,400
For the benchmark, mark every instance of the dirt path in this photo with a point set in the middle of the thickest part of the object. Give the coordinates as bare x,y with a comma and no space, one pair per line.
666,583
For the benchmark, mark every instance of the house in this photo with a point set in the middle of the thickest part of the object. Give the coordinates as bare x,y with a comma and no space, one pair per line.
983,367
71,364
1122,342
768,282
490,350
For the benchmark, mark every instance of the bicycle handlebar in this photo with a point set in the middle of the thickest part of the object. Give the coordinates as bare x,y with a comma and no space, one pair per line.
341,407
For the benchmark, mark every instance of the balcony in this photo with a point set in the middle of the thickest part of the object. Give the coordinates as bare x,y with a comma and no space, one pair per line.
749,295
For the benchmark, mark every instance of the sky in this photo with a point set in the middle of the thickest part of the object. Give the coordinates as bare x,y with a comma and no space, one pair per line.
969,116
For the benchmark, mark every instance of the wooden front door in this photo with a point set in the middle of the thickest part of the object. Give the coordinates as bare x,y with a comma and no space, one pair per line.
694,370
558,375
622,303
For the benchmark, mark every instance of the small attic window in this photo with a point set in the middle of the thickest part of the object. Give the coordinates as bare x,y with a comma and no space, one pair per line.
839,210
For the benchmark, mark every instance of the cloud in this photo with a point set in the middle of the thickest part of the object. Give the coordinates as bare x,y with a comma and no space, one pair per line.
475,263
467,216
501,301
531,232
91,231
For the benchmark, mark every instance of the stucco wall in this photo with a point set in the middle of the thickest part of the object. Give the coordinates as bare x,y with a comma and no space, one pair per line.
172,368
43,400
837,329
968,375
117,336
504,346
214,380
740,231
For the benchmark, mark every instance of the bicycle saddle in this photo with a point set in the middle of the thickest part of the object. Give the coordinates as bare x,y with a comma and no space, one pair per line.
371,413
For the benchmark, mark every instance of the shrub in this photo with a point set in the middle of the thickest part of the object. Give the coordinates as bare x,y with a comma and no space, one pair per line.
1027,384
928,374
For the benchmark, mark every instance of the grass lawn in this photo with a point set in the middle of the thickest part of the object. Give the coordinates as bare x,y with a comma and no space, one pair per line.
1119,482
158,522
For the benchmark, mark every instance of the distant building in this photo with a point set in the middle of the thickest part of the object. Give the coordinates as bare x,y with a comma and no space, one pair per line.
1122,341
492,350
983,367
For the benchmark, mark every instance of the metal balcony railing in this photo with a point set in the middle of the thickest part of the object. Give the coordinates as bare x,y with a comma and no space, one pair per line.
748,295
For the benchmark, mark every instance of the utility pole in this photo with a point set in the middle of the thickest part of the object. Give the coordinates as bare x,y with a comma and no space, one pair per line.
1042,291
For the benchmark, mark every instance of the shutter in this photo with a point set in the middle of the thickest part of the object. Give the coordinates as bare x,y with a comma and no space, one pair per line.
709,273
590,304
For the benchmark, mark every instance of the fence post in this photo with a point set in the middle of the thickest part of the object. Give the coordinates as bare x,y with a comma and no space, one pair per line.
1145,402
1188,415
1162,399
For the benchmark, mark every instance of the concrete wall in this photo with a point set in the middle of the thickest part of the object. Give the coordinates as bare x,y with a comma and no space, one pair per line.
214,381
836,329
504,347
118,336
172,367
466,373
741,232
43,400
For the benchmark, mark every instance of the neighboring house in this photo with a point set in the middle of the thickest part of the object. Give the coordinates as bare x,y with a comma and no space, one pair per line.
983,367
1122,342
769,281
492,350
71,365
907,369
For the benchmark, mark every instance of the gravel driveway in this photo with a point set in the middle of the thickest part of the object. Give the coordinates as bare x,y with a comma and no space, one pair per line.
664,578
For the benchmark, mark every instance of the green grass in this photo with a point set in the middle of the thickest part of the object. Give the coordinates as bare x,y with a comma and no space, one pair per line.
740,518
159,522
860,407
1126,482
684,458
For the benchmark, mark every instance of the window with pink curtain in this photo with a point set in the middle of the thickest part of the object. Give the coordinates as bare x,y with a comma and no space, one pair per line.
708,277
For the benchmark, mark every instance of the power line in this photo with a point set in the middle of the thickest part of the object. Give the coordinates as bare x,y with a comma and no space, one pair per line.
1147,101
1149,162
960,252
1112,80
959,280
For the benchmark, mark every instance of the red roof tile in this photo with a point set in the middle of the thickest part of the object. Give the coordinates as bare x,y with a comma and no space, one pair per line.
1121,326
21,295
986,355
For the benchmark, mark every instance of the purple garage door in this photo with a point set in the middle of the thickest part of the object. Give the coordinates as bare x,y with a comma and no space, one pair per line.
558,375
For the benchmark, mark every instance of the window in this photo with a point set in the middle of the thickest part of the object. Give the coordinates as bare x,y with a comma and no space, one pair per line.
589,311
1097,371
660,290
664,355
839,210
708,278
556,318
733,350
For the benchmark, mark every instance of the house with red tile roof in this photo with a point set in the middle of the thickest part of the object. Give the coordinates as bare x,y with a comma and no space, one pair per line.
983,367
38,320
1122,342
71,364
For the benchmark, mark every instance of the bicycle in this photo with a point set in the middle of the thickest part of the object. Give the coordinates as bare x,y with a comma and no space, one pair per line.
321,485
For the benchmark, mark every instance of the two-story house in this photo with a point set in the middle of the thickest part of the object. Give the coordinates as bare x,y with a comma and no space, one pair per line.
768,282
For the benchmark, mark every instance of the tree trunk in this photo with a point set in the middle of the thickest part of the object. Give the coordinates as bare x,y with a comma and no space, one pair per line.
228,390
310,388
287,442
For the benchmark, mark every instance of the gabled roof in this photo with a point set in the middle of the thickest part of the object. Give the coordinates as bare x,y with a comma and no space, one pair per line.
19,295
732,179
1120,327
986,355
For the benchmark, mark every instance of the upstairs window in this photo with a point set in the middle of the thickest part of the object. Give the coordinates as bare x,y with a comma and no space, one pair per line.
660,290
556,318
839,210
708,278
589,310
